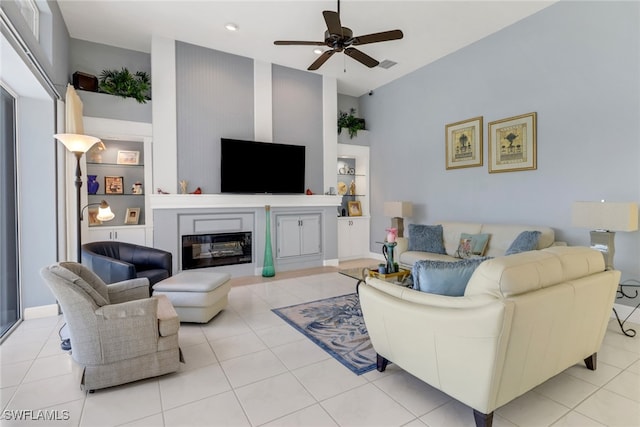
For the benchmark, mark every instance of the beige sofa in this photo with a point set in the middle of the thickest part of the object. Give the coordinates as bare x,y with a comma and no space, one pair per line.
501,237
523,319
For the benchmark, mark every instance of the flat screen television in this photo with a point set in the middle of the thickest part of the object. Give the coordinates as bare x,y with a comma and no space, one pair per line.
251,167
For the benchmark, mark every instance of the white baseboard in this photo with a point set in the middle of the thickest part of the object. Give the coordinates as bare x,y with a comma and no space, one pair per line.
40,311
623,312
331,262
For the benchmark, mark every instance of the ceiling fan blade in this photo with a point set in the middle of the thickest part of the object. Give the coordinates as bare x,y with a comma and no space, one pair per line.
321,60
361,57
378,37
333,22
295,42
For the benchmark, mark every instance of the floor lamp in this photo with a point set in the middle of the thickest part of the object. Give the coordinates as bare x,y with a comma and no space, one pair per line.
604,219
78,144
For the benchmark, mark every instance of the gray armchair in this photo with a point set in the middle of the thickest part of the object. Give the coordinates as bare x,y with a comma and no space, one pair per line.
115,261
119,334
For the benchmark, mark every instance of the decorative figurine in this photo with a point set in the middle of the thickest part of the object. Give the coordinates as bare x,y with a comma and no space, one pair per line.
352,188
183,187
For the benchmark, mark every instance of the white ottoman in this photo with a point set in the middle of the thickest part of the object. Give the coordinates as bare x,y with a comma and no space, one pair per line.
196,295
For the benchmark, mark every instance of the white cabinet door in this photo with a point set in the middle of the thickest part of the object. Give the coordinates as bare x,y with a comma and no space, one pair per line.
298,235
135,235
353,237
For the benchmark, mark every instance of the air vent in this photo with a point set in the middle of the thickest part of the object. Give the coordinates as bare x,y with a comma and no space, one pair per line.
386,64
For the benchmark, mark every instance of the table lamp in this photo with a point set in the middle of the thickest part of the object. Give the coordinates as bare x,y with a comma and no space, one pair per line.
397,211
604,219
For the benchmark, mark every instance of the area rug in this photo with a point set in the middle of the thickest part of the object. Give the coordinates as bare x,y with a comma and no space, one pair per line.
336,325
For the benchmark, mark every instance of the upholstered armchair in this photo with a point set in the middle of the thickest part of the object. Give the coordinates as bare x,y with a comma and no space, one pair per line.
116,261
119,334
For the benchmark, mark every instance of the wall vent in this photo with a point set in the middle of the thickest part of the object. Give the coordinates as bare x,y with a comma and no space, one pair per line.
386,64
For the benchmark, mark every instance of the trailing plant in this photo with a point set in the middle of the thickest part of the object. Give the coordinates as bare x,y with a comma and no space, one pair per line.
123,83
351,122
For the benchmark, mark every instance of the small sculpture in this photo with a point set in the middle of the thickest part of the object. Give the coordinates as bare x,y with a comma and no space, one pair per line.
161,191
197,191
352,188
183,187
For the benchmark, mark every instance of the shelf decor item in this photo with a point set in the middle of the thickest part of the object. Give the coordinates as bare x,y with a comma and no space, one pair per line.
113,185
92,184
268,269
132,217
512,144
355,208
128,157
123,83
464,144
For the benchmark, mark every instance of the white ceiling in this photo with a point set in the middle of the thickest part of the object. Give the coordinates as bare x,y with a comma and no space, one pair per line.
432,29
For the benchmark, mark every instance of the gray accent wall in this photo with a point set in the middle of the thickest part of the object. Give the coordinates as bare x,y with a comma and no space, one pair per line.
215,100
297,118
577,64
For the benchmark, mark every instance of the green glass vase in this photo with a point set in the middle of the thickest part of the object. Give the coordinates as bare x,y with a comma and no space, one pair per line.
268,270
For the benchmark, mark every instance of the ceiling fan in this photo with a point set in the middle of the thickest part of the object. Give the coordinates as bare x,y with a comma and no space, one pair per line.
341,39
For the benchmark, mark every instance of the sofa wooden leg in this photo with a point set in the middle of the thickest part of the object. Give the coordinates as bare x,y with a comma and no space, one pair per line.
483,420
592,362
381,363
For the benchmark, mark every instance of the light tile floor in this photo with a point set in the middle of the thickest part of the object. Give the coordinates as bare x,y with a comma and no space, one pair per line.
248,368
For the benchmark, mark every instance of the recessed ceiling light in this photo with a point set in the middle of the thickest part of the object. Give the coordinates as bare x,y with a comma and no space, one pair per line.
317,51
231,26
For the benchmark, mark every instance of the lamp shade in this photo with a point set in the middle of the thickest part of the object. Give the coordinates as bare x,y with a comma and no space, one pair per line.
104,212
75,142
398,209
611,216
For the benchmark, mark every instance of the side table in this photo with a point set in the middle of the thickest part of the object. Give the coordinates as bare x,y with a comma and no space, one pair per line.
622,293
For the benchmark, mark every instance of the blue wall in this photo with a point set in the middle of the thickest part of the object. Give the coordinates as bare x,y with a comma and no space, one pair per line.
574,63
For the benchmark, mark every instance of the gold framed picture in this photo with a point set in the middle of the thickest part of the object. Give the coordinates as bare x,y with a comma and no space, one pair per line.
113,185
355,208
512,144
128,157
132,217
464,143
93,217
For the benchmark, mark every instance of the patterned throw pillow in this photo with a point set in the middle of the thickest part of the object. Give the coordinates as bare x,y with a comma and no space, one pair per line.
526,241
426,238
476,246
444,277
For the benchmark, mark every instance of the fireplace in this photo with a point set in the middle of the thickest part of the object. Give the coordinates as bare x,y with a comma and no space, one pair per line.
214,250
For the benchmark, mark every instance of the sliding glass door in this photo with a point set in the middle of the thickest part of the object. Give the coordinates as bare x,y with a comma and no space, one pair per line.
9,288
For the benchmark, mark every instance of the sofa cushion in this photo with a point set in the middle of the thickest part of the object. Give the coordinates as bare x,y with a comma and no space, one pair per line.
526,241
444,278
472,245
502,235
426,238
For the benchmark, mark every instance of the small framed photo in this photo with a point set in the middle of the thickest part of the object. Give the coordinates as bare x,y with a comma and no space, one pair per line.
93,217
132,216
113,185
464,143
512,144
128,157
355,208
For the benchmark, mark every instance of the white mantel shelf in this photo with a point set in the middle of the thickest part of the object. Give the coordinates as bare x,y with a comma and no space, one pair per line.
194,201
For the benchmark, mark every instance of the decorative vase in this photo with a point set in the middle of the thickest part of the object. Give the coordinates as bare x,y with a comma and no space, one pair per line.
268,270
92,184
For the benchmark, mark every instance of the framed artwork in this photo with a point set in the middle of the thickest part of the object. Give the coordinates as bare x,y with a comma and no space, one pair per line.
128,157
512,144
355,208
113,185
464,143
93,216
132,216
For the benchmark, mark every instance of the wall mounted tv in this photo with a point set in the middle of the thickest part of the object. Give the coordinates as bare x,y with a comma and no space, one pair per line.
252,167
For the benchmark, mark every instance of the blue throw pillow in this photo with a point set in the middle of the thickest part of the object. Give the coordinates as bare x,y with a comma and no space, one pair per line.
444,277
426,238
526,241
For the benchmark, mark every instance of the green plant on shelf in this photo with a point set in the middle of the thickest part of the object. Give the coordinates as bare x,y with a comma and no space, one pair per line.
350,122
123,83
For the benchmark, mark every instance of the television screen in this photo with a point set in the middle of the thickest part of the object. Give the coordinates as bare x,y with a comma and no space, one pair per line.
261,167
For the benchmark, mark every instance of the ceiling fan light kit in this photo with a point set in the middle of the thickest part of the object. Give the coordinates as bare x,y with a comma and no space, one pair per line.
341,39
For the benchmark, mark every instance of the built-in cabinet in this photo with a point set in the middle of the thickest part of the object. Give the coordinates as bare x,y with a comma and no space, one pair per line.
121,167
353,186
298,235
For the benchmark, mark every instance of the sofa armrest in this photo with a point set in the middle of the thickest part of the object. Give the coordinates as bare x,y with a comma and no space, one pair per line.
402,246
168,320
128,290
128,330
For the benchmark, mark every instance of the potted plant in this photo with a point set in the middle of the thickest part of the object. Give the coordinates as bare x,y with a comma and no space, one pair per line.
351,122
123,83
